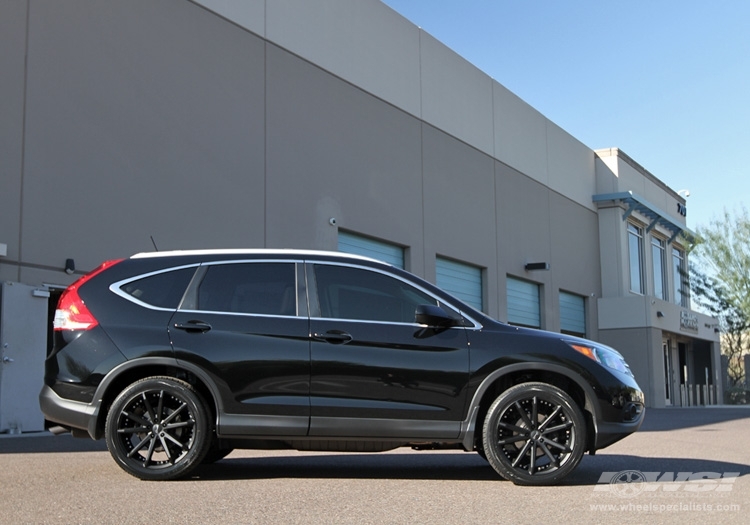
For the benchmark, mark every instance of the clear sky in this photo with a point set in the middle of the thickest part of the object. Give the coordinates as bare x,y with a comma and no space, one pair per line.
666,81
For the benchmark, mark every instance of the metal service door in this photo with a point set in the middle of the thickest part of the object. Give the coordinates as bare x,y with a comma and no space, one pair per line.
23,347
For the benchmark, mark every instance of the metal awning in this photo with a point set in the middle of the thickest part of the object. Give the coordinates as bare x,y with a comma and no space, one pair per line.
656,216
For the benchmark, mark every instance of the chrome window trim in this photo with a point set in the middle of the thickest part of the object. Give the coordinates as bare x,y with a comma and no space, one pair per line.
241,314
390,323
116,287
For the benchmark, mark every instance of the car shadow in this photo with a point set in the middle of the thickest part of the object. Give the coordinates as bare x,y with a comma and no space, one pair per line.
661,419
437,466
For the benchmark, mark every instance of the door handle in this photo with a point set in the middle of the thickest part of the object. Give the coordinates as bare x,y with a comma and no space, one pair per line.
335,337
193,326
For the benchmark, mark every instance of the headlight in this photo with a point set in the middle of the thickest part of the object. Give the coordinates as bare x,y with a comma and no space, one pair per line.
605,356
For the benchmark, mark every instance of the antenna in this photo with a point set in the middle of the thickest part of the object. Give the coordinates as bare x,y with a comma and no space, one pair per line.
154,243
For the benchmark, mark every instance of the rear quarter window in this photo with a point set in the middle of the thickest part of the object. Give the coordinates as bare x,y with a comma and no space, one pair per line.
164,290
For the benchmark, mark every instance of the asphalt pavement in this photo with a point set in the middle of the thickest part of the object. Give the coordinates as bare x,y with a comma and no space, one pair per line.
684,465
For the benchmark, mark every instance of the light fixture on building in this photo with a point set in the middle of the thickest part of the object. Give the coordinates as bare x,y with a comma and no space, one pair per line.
684,193
536,266
70,266
659,314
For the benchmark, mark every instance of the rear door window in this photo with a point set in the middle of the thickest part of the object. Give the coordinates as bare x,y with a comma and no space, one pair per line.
249,288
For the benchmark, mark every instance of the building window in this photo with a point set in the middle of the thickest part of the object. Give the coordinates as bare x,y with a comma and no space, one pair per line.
681,292
660,268
523,303
635,246
369,247
572,314
461,280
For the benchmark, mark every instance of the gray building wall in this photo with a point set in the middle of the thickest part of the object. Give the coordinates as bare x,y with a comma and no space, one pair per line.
216,124
134,120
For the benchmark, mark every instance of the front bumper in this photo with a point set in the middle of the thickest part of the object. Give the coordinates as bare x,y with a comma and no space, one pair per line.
608,432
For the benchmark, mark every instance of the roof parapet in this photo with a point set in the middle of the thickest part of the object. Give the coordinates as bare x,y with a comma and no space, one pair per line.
634,202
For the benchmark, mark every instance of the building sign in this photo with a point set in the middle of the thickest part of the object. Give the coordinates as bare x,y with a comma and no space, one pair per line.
688,321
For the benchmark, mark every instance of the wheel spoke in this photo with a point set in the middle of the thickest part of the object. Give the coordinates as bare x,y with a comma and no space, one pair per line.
561,446
532,462
564,426
132,430
555,462
173,415
137,419
140,445
534,413
173,440
521,454
524,415
150,453
165,447
550,417
513,428
149,408
512,439
181,424
160,407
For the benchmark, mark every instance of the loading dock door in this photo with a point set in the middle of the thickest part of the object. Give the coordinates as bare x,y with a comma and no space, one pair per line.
23,347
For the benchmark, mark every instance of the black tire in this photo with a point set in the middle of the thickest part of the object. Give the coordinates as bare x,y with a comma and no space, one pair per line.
158,429
534,434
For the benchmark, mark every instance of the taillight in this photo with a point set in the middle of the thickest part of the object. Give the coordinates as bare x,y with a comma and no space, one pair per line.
72,313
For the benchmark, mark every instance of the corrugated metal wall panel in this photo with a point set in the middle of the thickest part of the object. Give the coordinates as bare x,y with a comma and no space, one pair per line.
383,251
572,313
523,303
461,280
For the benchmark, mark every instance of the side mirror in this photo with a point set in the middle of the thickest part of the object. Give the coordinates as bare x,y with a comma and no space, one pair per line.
431,315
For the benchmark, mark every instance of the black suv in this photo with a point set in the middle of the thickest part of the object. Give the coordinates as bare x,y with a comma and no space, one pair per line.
177,358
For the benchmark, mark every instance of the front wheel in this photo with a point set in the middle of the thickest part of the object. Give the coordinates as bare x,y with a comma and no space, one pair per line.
158,429
534,434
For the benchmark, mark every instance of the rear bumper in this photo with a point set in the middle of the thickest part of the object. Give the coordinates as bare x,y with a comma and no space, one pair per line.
67,413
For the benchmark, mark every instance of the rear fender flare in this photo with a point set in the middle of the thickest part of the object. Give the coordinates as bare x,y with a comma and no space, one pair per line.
94,428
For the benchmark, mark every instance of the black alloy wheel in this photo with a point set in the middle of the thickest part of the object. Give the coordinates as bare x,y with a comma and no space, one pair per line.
158,429
534,434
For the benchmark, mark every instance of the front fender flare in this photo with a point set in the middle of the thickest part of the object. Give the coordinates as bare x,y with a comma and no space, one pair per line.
468,425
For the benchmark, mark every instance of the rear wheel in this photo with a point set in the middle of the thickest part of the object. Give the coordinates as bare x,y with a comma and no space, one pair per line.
534,434
158,429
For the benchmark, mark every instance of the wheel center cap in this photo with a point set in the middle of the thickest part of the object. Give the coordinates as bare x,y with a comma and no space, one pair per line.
156,428
535,435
